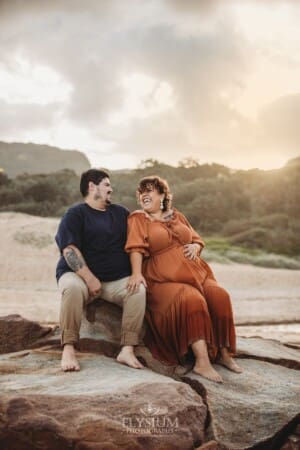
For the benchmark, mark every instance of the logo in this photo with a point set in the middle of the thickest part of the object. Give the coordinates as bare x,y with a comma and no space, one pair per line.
153,420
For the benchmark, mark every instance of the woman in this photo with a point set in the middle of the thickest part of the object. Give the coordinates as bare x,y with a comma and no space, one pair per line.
186,308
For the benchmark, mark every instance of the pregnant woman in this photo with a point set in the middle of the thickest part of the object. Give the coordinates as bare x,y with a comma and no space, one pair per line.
187,311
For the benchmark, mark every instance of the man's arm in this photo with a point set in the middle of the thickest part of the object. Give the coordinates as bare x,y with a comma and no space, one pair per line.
76,262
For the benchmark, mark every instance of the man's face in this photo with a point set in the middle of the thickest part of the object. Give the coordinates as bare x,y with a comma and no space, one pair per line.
103,191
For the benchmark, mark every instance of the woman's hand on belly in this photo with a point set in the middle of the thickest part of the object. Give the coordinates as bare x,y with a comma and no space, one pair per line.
191,251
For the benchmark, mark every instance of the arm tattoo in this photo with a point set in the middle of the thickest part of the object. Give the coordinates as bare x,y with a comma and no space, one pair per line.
74,261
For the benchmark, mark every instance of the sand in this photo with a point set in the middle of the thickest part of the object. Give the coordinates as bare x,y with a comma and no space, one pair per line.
266,302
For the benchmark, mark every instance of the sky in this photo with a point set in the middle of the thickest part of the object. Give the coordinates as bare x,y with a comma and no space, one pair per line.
124,81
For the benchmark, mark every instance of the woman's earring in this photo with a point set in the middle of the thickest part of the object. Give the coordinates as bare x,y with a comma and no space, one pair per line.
161,203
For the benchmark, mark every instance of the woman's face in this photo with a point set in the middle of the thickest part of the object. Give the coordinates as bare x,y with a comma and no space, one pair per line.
150,199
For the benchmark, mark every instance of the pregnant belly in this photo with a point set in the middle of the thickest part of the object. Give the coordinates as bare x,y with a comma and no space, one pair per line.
173,266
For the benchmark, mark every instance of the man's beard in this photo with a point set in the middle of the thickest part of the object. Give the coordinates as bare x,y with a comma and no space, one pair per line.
99,196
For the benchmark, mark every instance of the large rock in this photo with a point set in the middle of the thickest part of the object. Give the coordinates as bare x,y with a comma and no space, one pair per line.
104,406
257,409
268,350
17,333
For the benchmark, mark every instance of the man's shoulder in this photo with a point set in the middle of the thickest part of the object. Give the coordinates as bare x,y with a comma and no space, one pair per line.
119,208
76,210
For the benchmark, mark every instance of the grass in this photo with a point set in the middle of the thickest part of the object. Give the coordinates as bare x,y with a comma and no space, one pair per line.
219,249
37,239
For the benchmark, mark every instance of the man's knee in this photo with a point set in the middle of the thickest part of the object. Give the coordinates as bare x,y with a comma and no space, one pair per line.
134,305
138,297
73,288
73,291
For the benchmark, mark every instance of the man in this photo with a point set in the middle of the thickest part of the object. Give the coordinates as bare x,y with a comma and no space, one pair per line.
91,238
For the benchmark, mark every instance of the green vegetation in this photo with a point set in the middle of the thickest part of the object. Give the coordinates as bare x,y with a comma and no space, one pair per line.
220,250
249,216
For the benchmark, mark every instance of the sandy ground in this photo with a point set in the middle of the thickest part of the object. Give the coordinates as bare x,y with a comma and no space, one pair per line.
266,302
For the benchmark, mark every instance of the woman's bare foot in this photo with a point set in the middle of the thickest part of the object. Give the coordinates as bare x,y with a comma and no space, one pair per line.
208,372
127,356
227,361
69,362
202,365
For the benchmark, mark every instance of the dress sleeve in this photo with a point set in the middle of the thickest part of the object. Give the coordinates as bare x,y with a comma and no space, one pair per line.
196,239
137,234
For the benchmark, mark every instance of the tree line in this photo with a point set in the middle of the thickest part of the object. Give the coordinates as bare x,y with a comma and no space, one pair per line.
253,208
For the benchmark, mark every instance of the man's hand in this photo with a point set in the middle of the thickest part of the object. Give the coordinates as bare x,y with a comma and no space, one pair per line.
134,282
191,251
76,262
94,285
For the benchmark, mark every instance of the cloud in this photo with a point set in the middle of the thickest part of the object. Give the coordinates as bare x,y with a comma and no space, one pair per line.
204,59
16,118
93,56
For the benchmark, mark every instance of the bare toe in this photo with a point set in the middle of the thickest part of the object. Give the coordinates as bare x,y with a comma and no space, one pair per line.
208,372
69,362
129,359
230,364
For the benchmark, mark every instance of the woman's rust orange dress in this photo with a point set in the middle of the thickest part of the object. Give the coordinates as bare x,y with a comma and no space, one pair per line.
184,301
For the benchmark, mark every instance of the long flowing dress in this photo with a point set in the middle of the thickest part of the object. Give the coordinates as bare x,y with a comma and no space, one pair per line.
184,301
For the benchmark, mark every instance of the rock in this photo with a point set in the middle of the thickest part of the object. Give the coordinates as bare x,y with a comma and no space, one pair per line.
293,441
17,333
256,408
104,406
102,320
211,445
268,350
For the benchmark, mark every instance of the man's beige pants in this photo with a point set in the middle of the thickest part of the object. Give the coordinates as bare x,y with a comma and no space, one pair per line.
75,297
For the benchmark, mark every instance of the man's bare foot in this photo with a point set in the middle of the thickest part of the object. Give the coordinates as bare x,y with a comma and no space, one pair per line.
127,356
69,362
208,372
226,360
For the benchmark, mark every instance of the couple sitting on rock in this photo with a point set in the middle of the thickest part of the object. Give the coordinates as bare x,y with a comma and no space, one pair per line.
110,254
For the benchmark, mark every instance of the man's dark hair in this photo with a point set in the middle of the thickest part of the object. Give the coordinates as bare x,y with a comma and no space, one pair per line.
94,175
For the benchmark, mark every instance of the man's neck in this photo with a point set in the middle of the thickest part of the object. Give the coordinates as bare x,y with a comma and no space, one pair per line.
96,204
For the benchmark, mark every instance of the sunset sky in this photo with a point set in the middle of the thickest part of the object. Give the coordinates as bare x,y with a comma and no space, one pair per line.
127,80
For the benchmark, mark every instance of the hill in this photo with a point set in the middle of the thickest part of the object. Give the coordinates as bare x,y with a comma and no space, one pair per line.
250,216
18,158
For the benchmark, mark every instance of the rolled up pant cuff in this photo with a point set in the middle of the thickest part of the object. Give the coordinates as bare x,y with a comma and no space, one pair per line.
69,337
130,338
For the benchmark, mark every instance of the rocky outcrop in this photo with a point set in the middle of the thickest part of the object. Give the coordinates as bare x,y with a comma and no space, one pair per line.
256,409
18,158
104,406
17,333
109,406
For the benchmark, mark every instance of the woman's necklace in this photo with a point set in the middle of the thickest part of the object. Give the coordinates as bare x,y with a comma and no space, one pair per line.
157,216
161,216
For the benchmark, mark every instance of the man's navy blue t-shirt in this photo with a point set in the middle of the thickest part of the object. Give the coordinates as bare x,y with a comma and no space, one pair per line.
100,236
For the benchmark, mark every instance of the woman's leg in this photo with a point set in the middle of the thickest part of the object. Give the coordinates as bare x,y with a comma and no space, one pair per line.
219,305
224,358
202,364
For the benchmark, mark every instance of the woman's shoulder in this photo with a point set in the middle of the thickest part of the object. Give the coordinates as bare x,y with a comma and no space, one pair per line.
138,214
177,213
